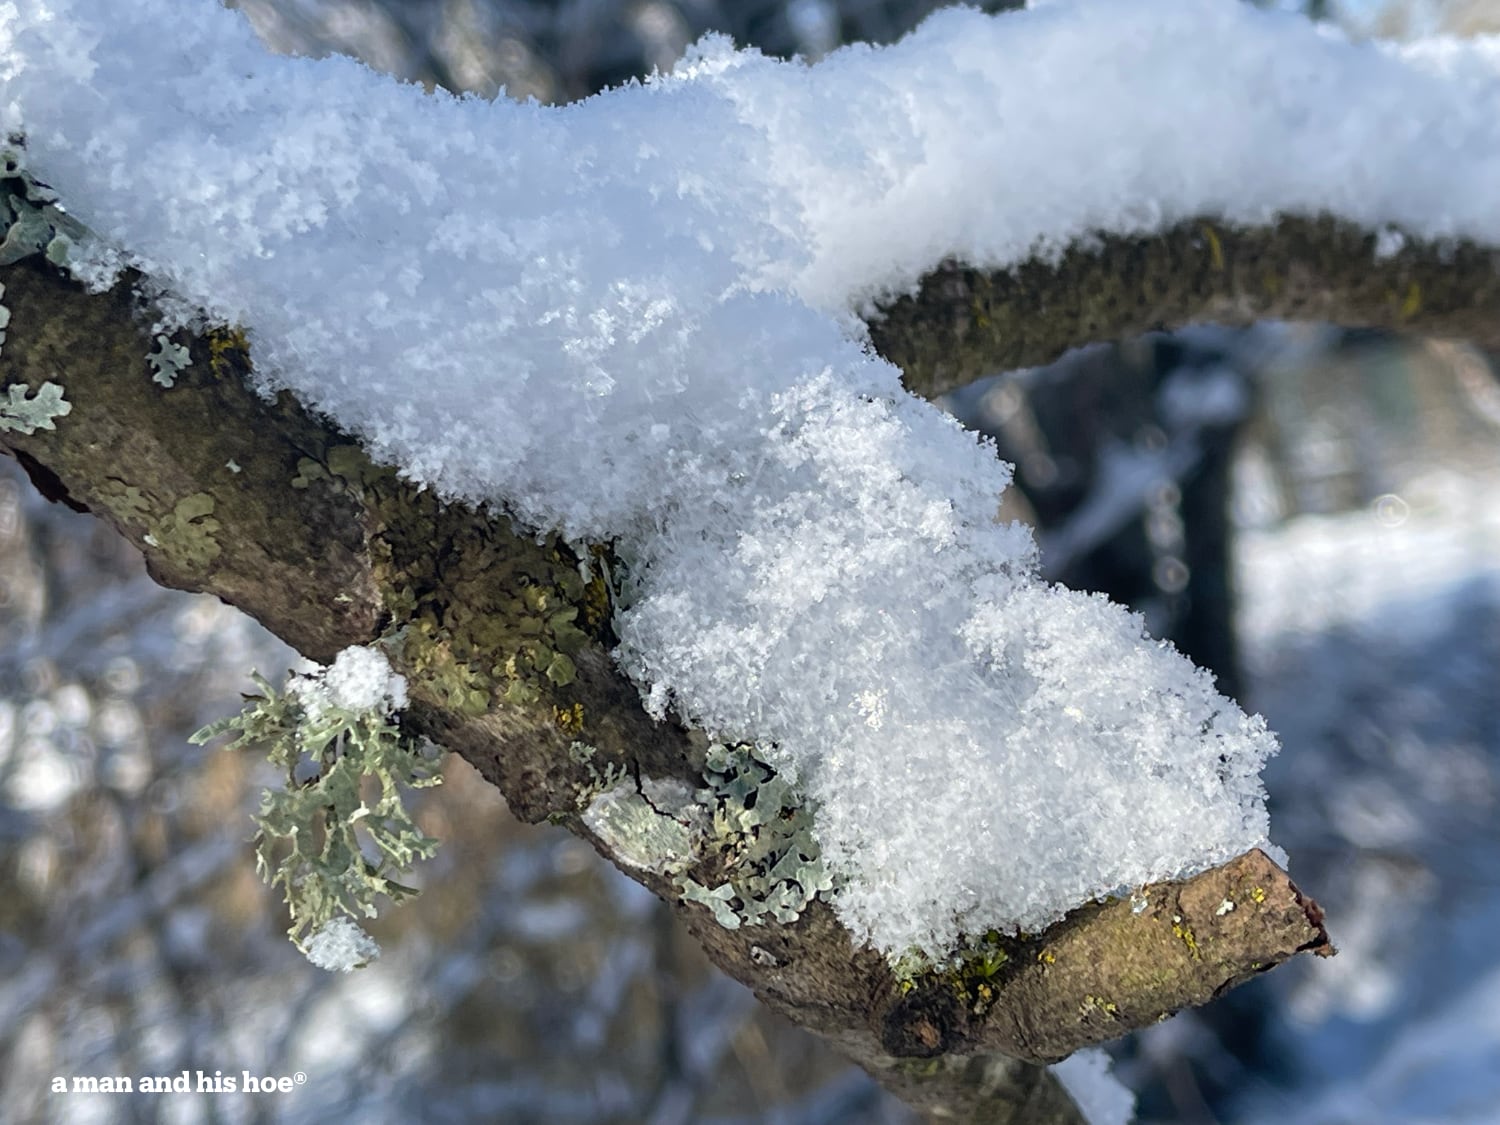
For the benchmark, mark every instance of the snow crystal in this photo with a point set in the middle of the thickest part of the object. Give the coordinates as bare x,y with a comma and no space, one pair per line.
341,947
360,679
635,319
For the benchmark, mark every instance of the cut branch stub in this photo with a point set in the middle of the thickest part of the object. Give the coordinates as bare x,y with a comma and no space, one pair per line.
1108,968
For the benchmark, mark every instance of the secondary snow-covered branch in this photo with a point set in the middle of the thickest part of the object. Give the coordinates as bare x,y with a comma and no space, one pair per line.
964,323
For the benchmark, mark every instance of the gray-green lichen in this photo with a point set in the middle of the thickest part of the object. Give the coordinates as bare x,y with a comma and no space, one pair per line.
28,415
31,220
189,533
495,622
653,828
763,833
167,360
309,831
598,780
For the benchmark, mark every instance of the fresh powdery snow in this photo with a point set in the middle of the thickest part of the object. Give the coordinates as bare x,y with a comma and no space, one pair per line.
635,319
360,679
341,947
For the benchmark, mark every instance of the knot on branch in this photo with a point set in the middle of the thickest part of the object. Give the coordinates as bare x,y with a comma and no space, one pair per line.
926,1022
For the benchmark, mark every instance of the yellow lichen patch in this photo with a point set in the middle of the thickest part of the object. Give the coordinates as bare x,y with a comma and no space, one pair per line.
228,352
126,503
920,1068
1258,895
185,536
1411,304
188,533
1098,1004
596,603
308,471
1215,247
569,720
482,617
981,315
430,661
1184,933
1046,957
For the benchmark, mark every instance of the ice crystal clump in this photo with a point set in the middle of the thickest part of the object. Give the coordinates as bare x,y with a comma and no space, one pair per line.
341,947
360,679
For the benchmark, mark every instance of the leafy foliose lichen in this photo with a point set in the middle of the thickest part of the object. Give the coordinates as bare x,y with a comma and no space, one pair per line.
598,780
28,415
330,850
771,862
167,360
31,220
498,622
653,826
189,532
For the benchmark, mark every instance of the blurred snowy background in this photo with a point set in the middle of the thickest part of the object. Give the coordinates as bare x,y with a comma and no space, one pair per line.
1314,514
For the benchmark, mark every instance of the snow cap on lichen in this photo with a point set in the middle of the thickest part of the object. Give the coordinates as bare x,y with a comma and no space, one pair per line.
341,947
360,679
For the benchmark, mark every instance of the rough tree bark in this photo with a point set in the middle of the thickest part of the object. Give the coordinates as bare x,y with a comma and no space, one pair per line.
276,511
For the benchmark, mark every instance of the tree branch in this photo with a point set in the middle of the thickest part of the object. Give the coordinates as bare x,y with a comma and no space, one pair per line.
964,324
277,512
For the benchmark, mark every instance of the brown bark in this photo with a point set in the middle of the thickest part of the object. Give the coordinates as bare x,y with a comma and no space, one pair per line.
964,323
277,512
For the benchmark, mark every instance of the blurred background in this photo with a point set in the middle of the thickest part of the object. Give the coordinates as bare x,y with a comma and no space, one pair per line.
1313,514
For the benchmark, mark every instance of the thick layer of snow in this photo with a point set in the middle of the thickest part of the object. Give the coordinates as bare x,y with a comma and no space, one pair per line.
634,319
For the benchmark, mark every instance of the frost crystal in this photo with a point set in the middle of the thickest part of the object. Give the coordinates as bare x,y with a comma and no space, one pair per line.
635,320
341,947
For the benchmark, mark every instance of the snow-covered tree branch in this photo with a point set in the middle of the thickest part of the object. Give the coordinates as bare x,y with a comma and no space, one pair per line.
316,563
577,412
965,323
